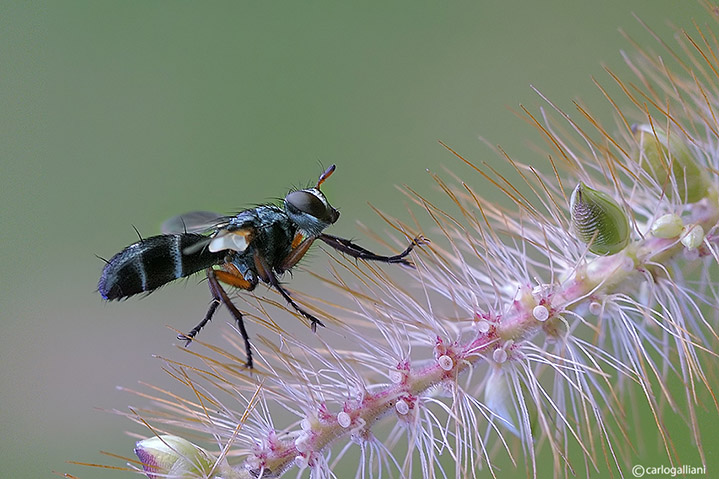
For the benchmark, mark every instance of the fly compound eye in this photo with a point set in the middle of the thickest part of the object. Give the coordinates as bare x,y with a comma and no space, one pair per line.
304,202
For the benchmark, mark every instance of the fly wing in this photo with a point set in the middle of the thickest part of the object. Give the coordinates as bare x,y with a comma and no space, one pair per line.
194,222
221,236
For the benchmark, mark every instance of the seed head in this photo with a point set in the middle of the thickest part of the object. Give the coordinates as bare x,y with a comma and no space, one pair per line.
598,220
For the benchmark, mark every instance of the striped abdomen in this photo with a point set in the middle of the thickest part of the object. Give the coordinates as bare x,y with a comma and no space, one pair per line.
152,262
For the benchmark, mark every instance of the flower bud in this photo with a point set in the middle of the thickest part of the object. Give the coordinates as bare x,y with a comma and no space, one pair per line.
598,221
667,226
692,236
173,457
657,151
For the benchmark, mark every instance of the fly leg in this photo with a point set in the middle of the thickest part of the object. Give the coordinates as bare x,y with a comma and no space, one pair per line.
219,296
356,251
268,276
314,321
214,304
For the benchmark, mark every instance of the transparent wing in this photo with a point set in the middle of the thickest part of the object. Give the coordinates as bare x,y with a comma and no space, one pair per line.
194,222
219,237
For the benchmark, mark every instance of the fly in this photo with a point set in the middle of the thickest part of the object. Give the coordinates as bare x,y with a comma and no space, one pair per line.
257,244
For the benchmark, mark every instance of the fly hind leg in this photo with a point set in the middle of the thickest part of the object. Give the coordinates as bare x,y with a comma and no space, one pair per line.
219,296
214,304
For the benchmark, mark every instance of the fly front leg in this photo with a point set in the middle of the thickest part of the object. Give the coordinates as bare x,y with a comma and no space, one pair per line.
219,296
356,251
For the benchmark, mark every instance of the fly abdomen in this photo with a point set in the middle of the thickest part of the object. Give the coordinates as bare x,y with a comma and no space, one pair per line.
148,264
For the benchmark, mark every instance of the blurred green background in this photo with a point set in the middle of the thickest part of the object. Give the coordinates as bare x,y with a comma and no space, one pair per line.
115,114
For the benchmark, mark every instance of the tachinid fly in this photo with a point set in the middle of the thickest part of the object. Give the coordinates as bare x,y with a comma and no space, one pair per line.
257,244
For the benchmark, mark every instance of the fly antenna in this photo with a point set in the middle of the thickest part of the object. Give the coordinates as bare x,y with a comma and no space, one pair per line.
325,175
